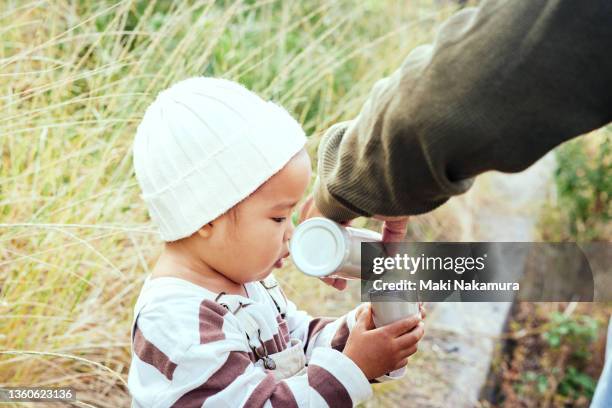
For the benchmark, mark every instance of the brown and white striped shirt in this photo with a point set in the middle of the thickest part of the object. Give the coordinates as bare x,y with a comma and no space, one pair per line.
189,351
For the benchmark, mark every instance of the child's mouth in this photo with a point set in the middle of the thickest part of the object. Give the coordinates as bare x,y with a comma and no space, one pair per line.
279,262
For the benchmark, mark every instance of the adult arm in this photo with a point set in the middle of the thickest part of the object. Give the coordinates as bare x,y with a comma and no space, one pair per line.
500,86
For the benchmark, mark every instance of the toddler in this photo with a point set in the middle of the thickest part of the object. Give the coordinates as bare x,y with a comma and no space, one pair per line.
221,171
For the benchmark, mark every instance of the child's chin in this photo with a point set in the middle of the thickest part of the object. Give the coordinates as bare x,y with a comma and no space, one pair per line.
263,275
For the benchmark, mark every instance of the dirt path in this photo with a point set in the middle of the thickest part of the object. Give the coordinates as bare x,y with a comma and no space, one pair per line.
454,358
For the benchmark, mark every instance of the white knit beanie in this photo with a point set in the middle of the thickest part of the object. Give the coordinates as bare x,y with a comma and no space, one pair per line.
204,145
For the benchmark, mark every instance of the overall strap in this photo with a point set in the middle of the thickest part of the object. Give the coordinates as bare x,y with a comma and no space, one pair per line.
273,288
249,326
233,305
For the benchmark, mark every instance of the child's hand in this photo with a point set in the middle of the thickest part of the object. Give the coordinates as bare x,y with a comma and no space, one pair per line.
378,351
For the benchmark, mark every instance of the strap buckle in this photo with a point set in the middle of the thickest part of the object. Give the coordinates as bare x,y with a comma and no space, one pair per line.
269,363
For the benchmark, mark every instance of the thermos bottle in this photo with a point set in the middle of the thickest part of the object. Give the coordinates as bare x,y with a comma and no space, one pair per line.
392,305
321,247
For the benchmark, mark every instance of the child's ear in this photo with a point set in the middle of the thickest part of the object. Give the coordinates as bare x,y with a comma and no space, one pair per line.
206,231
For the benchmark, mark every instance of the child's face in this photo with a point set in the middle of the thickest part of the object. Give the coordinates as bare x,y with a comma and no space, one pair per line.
250,247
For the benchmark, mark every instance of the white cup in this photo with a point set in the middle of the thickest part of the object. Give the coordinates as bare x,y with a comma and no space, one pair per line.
390,306
321,247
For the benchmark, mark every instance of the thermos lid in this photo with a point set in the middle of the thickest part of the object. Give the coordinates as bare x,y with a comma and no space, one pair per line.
318,246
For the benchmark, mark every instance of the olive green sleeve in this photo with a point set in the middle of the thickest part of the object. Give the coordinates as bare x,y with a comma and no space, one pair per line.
500,86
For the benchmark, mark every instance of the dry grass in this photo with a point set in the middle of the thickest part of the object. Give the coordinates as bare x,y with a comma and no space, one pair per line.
75,78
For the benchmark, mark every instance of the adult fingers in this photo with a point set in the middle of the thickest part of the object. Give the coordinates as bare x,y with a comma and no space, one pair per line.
337,283
327,281
394,228
423,310
394,231
308,209
340,284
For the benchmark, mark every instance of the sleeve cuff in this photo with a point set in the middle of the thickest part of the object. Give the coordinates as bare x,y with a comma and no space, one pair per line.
393,375
327,152
329,206
345,370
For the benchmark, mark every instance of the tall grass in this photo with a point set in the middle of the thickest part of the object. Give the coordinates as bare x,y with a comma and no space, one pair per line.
75,78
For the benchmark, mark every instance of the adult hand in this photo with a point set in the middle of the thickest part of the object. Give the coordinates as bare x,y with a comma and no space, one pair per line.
309,209
394,228
423,310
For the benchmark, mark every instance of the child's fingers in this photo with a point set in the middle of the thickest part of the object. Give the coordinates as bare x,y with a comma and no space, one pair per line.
400,327
359,311
363,316
400,364
409,351
411,338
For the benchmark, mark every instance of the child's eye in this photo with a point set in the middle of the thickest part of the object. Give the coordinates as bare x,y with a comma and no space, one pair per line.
279,220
